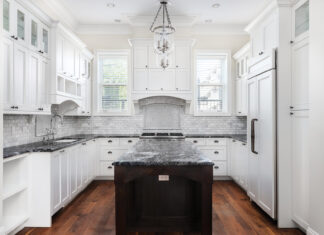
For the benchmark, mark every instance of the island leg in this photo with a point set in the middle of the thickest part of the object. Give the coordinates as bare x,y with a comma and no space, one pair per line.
121,209
206,209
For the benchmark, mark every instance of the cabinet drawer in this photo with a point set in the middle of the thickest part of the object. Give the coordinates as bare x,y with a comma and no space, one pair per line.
215,154
127,142
220,168
216,141
197,141
109,142
108,154
106,168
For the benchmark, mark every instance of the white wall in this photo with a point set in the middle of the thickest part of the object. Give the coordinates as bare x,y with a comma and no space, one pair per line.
1,118
316,84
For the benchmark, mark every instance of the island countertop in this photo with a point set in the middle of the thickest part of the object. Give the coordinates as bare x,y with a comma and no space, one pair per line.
159,152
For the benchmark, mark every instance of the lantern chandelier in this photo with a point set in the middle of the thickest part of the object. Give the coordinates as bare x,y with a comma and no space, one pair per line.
163,34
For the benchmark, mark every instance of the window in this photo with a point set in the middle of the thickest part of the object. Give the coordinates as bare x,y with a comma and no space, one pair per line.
212,73
113,70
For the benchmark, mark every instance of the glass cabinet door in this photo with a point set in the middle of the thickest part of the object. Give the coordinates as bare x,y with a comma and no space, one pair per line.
45,40
21,18
301,19
6,15
34,33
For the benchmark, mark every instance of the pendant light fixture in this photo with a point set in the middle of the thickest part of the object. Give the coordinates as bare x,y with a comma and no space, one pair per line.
163,34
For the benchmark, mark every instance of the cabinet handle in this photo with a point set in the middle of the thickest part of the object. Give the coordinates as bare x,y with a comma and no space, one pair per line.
291,113
109,141
253,135
12,107
216,152
13,36
291,107
216,167
243,144
40,51
109,152
130,141
40,109
195,141
216,141
16,107
84,143
62,151
233,141
261,53
109,167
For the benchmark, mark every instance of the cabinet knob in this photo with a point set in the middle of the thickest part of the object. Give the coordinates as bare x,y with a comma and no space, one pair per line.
216,167
195,141
291,107
109,152
291,113
130,141
177,66
109,141
161,89
146,66
177,89
216,152
291,42
216,141
12,36
243,144
84,143
146,88
109,167
234,141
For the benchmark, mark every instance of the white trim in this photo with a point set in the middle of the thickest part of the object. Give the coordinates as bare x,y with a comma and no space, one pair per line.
261,16
1,120
229,89
95,96
311,231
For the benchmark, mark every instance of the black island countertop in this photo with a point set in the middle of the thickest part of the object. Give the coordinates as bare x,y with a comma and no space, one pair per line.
45,147
163,152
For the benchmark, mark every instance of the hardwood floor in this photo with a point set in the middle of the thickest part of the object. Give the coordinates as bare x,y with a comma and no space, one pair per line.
93,212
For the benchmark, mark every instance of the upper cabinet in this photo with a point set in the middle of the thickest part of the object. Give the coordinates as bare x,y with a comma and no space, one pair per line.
149,77
300,20
27,62
264,34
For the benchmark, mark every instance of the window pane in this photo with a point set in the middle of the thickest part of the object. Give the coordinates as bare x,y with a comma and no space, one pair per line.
114,98
21,25
6,15
211,69
210,98
34,33
114,70
302,19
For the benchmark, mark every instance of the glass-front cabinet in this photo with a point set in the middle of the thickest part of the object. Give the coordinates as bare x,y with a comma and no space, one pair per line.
301,20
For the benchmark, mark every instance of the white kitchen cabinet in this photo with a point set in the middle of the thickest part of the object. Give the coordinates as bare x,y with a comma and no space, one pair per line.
300,20
182,57
65,176
300,75
241,96
141,57
182,79
21,26
68,59
161,80
73,164
33,78
262,157
42,85
8,18
140,81
264,36
300,167
55,182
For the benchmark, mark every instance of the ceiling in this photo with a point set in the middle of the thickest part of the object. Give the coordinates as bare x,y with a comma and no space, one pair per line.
141,12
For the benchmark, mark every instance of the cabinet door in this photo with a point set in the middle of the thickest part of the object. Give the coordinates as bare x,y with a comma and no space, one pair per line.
300,75
68,59
257,41
55,182
59,54
270,34
73,172
20,75
85,171
34,41
44,42
243,164
238,89
32,83
182,79
300,20
182,57
42,89
8,18
300,167
162,80
140,79
21,26
79,164
65,192
8,75
253,158
140,57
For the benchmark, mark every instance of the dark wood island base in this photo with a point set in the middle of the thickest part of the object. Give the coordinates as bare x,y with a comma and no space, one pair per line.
164,199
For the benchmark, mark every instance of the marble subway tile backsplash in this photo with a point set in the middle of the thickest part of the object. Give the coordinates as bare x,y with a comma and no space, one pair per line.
21,129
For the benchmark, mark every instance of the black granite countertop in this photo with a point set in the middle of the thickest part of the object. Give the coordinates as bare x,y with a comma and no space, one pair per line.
153,152
44,147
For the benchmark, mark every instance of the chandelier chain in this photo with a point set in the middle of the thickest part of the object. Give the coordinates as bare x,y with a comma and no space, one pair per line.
157,15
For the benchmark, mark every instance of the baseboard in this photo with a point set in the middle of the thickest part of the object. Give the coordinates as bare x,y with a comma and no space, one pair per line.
310,231
104,178
222,178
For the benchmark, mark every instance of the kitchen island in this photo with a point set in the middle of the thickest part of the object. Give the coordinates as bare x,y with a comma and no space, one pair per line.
163,185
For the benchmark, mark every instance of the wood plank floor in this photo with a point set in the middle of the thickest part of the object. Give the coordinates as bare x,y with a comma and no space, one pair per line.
93,213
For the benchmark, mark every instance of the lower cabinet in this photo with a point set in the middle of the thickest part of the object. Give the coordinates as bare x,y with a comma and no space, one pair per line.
239,162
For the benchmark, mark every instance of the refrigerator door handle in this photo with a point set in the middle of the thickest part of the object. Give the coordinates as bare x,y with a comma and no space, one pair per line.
253,135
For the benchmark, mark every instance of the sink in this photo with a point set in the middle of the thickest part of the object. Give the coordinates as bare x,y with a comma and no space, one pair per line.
65,141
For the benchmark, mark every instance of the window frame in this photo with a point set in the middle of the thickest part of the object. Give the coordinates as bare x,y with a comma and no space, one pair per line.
97,101
228,84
